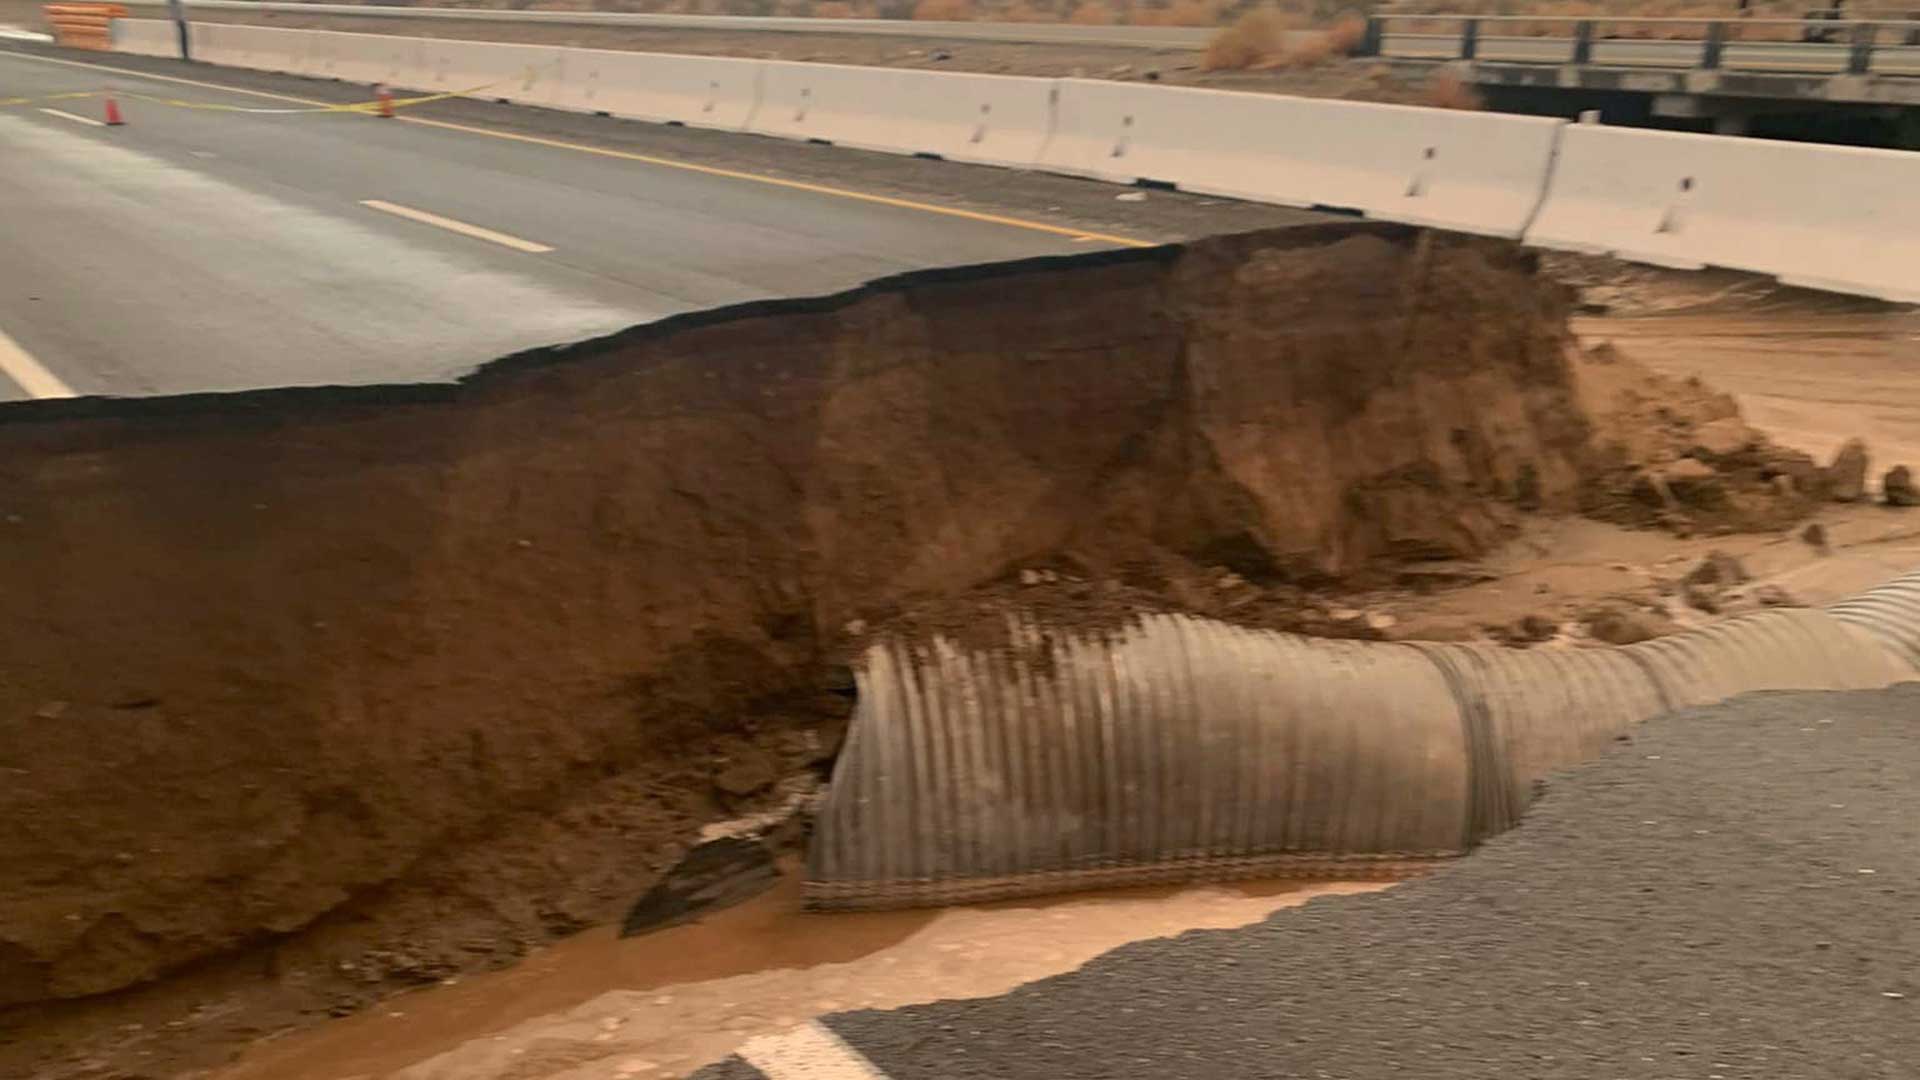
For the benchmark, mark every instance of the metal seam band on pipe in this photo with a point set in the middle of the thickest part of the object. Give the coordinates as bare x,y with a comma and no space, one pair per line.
1178,749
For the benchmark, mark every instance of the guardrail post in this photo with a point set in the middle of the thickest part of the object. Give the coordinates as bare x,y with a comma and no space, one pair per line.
1715,44
1583,41
1469,38
1860,56
1375,37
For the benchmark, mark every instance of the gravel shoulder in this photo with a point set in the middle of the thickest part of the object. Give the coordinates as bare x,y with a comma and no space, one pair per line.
1733,893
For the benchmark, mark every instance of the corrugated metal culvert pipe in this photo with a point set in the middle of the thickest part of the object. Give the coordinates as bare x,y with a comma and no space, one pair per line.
1183,749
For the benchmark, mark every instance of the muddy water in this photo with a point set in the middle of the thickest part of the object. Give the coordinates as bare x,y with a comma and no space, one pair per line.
664,1004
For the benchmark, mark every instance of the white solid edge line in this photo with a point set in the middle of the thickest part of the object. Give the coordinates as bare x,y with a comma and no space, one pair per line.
808,1052
75,117
33,377
451,225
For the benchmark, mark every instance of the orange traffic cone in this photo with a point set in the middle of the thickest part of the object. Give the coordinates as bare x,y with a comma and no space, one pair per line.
385,97
114,119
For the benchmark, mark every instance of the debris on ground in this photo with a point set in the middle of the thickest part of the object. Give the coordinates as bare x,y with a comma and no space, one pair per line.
1847,475
1625,622
1897,487
1674,454
1718,568
750,773
1707,587
714,875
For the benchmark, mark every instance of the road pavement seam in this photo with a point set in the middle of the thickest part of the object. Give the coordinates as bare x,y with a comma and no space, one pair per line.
808,1052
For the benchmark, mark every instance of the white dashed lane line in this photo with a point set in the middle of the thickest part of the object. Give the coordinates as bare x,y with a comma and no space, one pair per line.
75,117
451,225
31,375
809,1052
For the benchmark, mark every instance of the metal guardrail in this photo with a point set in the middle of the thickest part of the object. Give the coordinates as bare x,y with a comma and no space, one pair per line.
1131,37
1823,45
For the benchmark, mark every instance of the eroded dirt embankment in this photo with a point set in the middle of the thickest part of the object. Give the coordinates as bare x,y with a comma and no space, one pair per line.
333,682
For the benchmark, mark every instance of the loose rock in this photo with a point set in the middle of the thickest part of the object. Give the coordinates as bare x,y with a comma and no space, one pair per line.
1847,476
1815,536
1694,483
1898,487
1537,628
1806,477
1618,624
1723,438
1718,568
1704,598
747,775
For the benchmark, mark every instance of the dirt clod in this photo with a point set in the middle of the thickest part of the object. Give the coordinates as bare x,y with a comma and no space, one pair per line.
1718,568
1847,475
1702,598
1674,454
1623,623
1525,631
1538,627
1898,488
750,773
1723,438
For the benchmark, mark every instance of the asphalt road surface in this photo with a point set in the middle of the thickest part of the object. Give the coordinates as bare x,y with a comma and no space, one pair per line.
1733,894
199,249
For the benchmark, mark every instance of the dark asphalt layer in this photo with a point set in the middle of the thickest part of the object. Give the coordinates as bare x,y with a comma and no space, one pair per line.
206,250
1734,893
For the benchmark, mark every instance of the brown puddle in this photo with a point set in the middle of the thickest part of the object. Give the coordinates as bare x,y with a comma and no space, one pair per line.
663,1004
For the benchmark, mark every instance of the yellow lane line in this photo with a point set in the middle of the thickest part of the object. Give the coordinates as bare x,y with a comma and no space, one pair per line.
1081,235
33,377
451,225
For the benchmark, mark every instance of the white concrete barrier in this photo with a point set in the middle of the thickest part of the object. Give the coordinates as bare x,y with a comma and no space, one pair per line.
367,58
998,120
698,91
145,37
987,120
1825,217
496,71
1475,172
261,48
836,103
